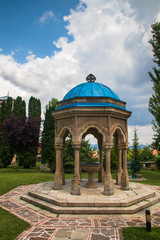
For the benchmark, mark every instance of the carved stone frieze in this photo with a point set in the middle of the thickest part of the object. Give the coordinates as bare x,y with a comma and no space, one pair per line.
67,123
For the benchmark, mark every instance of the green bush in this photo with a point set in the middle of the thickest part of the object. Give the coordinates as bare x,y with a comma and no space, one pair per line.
158,162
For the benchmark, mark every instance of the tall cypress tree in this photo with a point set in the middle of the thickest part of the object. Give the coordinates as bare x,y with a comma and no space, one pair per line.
34,108
34,112
19,109
48,135
154,102
6,154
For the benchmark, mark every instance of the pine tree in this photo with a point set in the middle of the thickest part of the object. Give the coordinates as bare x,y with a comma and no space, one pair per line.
48,154
136,165
154,102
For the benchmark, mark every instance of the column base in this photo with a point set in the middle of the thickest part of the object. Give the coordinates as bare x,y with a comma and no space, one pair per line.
124,181
75,188
58,180
118,178
108,186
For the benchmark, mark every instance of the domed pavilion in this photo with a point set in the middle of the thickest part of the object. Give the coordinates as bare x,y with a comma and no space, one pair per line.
92,108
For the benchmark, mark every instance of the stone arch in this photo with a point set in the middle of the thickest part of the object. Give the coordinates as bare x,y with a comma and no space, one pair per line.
93,125
63,133
122,135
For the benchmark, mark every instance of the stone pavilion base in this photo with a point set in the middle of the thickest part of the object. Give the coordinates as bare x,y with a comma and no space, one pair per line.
91,201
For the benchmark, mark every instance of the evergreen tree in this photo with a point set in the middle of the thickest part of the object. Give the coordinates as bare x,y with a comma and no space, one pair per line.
48,154
19,109
34,108
136,165
154,102
34,111
6,154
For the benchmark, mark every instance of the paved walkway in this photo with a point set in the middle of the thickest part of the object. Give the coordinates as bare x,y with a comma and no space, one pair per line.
47,225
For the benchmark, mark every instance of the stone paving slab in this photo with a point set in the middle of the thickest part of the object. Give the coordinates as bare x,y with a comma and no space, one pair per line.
45,225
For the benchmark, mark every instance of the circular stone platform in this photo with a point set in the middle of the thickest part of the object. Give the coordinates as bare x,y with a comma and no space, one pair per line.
138,197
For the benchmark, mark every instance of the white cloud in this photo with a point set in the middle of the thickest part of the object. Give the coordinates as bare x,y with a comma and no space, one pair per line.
46,16
109,41
144,133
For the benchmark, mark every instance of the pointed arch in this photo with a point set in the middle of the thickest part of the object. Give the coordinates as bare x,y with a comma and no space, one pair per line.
121,133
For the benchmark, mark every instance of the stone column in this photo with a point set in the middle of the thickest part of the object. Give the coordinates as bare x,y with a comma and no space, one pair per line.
101,171
75,189
62,169
58,178
119,172
108,182
124,178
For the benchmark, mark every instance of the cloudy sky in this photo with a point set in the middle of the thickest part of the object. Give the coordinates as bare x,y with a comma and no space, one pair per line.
48,47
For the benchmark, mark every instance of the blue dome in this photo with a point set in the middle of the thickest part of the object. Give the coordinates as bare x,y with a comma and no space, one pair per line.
91,89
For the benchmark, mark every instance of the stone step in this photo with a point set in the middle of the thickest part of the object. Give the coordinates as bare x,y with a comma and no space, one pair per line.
92,210
64,203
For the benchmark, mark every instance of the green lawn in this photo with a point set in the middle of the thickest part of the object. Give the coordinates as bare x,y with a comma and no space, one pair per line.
139,233
10,225
10,179
153,177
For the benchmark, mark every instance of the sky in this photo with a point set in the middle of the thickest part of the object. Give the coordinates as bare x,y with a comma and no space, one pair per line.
48,47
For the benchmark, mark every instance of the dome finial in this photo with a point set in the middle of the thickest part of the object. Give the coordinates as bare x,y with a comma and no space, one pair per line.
90,78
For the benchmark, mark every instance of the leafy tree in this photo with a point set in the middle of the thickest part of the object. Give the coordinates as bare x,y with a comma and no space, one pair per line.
154,102
146,155
19,109
135,153
68,156
48,154
86,152
21,135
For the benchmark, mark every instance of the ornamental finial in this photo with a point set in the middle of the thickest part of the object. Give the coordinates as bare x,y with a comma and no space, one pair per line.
90,78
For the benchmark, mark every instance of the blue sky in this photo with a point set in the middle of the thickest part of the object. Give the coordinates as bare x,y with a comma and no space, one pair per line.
32,25
48,47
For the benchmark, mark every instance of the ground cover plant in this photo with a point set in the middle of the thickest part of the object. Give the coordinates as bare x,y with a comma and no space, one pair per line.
139,233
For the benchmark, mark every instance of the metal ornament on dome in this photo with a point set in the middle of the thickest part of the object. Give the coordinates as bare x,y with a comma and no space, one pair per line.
90,78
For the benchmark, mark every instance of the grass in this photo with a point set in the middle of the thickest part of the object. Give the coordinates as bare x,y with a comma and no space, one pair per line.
139,233
10,179
153,177
10,225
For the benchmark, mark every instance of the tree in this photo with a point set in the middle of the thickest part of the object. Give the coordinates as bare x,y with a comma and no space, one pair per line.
6,154
146,155
19,109
48,154
86,152
34,111
21,135
136,166
68,155
154,102
34,108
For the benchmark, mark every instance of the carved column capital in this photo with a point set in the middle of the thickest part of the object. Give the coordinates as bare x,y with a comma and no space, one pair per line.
107,146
